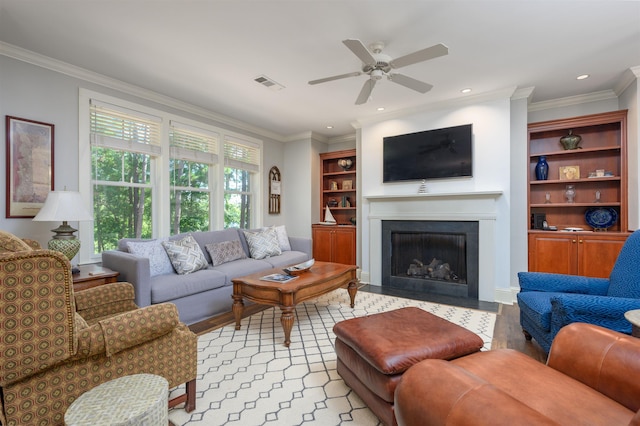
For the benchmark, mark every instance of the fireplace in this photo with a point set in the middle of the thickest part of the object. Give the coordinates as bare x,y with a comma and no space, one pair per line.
438,257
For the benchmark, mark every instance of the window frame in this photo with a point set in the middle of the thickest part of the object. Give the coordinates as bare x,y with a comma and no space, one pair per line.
160,214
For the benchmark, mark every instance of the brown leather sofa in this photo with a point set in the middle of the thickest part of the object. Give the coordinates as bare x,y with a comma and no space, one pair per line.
592,377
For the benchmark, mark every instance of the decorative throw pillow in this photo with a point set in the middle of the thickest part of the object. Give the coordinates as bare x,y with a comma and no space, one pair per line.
283,238
263,243
185,255
226,251
159,263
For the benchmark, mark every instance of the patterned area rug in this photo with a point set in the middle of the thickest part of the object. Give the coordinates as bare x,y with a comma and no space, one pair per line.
248,377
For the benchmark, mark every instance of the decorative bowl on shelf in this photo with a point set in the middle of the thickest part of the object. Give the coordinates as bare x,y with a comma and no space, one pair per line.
601,218
300,268
345,163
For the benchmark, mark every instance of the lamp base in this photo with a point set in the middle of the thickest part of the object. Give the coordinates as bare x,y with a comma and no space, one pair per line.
68,247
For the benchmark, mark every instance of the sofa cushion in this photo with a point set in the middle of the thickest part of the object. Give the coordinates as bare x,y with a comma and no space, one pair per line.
186,255
558,400
283,238
263,243
225,251
536,305
159,262
241,267
211,237
166,288
287,258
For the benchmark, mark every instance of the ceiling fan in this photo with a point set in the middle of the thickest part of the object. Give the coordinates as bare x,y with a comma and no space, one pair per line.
377,65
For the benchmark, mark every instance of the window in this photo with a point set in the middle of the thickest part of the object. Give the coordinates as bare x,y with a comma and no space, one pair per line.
123,145
148,174
242,160
193,155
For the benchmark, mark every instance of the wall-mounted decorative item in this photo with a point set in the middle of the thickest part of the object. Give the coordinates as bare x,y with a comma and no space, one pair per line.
569,172
275,190
347,185
29,166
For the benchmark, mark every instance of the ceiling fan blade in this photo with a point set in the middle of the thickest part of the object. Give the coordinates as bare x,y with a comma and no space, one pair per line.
367,88
421,55
411,83
335,77
360,51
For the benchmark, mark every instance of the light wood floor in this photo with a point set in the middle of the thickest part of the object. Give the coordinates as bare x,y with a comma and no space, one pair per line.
507,332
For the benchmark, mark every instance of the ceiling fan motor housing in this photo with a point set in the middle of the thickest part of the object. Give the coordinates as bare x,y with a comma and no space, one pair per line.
382,63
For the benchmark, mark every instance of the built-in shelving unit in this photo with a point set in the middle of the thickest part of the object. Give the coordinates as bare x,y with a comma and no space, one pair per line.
338,189
337,243
603,147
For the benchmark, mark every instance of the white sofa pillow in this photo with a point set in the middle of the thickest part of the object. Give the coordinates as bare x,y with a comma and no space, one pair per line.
159,262
185,255
263,243
283,238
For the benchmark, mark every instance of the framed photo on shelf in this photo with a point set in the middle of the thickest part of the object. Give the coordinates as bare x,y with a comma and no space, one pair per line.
569,172
347,185
29,167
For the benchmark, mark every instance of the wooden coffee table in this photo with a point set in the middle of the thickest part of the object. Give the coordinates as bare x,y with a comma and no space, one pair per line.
322,278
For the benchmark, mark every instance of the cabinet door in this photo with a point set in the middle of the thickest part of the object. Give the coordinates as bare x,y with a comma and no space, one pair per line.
596,256
553,253
344,246
322,244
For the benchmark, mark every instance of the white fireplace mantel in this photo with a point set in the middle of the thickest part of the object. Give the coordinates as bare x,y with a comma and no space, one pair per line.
459,206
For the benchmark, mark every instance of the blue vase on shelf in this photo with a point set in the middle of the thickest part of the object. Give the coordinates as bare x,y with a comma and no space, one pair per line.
542,168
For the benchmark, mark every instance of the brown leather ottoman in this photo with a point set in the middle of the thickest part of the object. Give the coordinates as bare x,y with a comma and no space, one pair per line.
373,351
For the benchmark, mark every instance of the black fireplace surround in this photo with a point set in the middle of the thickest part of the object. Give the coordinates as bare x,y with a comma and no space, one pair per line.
455,242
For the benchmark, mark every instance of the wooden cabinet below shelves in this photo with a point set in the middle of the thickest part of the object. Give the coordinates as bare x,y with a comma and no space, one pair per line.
590,254
334,243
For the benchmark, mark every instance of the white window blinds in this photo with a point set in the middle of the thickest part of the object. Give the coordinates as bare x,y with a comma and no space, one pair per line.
191,143
240,154
119,128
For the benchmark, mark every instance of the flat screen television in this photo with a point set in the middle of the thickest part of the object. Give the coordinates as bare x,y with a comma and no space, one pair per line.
431,154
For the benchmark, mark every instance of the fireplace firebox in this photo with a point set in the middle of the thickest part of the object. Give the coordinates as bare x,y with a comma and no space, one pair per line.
439,257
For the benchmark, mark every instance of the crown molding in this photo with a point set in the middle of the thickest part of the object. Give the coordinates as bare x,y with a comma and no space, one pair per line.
523,93
351,137
629,76
572,100
439,105
55,65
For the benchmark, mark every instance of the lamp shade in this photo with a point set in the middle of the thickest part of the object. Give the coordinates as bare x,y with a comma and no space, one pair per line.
63,206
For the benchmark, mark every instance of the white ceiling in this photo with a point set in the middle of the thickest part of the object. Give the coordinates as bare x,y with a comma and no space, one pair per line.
207,53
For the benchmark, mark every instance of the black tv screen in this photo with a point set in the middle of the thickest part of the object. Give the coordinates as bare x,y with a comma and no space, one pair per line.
432,154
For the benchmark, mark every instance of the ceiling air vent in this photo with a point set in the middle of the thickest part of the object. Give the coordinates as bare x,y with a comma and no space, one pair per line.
269,83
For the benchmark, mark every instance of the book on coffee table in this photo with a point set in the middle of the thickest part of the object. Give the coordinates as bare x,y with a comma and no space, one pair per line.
278,278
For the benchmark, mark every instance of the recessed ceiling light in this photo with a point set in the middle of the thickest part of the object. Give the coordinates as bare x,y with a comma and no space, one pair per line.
467,90
582,77
329,127
380,108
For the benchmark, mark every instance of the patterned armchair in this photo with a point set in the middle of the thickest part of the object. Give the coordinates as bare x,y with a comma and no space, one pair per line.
55,345
548,302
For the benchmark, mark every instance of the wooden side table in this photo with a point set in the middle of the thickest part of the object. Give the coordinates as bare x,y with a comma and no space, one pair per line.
93,276
634,318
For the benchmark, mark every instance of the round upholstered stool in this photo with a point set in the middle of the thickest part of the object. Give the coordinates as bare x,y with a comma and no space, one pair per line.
140,399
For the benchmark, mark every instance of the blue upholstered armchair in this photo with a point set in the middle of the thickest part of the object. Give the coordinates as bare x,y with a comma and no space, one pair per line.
548,302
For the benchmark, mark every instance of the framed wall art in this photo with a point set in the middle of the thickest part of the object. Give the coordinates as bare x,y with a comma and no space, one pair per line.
29,166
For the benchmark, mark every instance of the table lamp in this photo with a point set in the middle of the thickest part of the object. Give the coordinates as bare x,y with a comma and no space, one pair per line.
64,206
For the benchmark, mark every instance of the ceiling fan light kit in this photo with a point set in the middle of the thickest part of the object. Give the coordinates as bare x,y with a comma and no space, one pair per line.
378,65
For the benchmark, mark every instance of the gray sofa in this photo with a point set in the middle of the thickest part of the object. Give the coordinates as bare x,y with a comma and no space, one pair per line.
204,293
